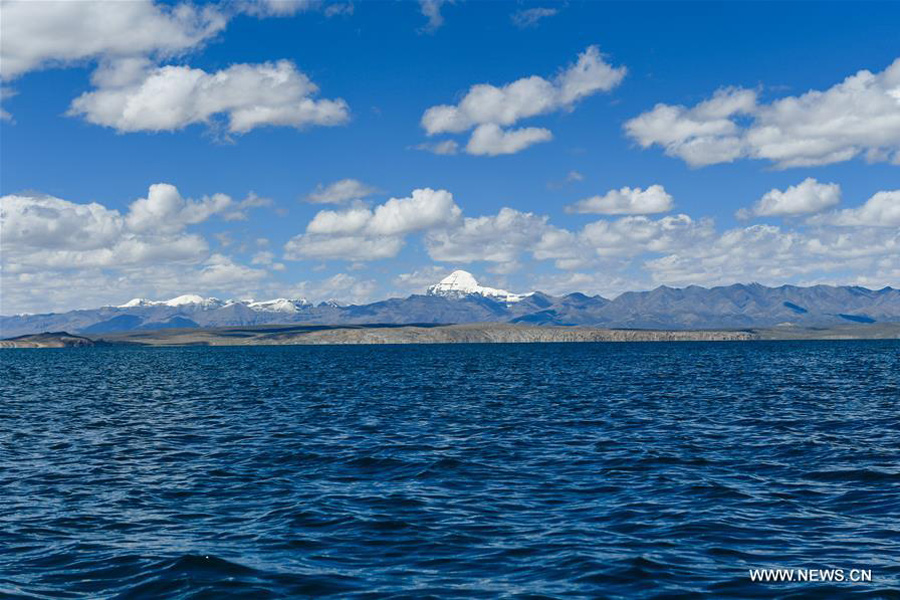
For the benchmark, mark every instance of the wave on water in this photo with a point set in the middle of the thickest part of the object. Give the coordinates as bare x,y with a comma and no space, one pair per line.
520,471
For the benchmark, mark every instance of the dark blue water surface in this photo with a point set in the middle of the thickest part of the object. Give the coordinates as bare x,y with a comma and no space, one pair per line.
477,471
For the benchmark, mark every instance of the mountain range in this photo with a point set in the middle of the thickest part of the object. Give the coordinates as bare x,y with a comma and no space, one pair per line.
459,298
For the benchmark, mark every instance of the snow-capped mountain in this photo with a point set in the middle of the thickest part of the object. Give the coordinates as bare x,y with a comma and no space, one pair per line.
462,283
283,305
194,301
459,298
184,300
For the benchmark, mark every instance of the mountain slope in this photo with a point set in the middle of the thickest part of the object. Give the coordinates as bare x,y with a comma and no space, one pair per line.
459,298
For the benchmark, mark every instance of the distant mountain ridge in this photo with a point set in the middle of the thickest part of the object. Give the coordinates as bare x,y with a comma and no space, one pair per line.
459,298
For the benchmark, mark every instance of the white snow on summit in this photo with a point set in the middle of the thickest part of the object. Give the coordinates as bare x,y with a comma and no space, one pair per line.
195,301
460,283
185,300
135,302
287,305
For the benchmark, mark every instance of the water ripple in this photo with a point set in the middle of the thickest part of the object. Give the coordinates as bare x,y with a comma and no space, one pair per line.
518,471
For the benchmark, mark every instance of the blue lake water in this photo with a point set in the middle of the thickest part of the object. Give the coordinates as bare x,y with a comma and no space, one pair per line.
475,471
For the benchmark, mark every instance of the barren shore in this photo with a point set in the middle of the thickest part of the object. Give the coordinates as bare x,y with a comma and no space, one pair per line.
481,333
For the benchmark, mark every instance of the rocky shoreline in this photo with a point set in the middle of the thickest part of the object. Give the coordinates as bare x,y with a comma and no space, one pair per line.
479,333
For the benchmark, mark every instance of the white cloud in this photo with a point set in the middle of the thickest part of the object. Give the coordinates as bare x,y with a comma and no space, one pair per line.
526,97
431,9
47,232
239,212
488,108
624,238
129,38
859,116
704,134
41,34
50,33
95,250
444,148
770,255
572,177
220,272
342,9
630,236
165,210
531,16
626,201
490,140
347,247
340,287
264,257
43,232
5,94
361,233
501,238
341,191
604,283
275,8
881,210
808,196
418,281
139,97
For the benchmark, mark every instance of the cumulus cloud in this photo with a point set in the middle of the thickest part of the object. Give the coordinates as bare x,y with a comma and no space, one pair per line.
48,232
44,239
341,288
165,210
41,34
772,255
346,247
339,192
488,108
531,16
43,232
491,140
55,33
220,272
881,210
418,281
136,96
859,116
53,290
499,238
625,238
626,201
361,233
808,196
128,39
603,283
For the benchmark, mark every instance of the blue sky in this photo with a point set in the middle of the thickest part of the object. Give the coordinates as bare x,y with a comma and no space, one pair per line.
383,65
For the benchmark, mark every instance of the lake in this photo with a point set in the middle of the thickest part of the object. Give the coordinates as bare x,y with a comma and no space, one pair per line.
627,470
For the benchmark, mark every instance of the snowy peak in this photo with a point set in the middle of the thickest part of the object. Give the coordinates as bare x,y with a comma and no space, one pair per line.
193,301
283,305
136,302
460,284
184,300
